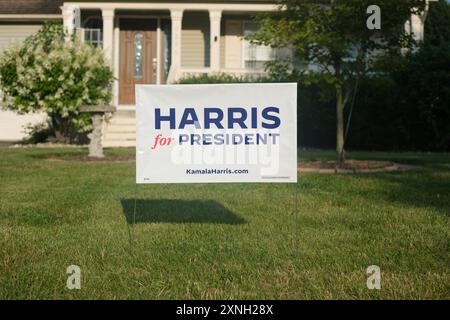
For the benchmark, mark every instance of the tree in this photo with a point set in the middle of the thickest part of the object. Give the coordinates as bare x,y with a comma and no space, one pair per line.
437,26
423,80
54,73
333,39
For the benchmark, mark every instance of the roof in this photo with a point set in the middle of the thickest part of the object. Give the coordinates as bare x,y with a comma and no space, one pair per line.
30,6
53,6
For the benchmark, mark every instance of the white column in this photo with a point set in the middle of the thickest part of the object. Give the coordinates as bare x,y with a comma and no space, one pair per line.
176,17
68,14
116,63
108,33
158,52
214,31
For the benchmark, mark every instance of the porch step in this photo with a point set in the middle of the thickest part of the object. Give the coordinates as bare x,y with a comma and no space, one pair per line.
116,144
120,135
120,130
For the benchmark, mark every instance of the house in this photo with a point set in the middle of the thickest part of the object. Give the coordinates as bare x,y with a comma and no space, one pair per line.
19,19
153,42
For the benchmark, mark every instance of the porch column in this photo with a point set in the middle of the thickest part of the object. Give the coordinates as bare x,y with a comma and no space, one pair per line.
176,16
417,27
214,31
116,62
68,13
108,33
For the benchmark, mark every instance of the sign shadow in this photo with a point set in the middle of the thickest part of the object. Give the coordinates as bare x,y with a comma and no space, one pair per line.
178,211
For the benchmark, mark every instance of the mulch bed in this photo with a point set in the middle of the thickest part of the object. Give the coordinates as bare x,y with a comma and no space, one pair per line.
353,166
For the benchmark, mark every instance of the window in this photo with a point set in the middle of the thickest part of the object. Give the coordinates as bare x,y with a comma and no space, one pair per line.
93,33
166,26
255,56
138,48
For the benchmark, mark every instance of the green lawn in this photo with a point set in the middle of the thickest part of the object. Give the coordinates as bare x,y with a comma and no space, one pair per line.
313,240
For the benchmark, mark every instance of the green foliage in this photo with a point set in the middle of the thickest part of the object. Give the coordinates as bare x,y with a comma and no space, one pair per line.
38,133
437,26
407,107
216,78
333,36
49,74
424,84
280,70
332,39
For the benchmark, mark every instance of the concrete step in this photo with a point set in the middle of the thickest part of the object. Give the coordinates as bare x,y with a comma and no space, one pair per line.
122,121
123,116
121,143
119,136
120,128
125,113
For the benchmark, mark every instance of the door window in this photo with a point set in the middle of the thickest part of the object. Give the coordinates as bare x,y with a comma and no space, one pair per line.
138,54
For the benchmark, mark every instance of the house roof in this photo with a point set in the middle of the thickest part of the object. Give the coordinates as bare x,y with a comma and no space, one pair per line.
53,6
30,6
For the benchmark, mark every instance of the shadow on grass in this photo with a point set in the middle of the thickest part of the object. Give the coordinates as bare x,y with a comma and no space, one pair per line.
418,189
178,211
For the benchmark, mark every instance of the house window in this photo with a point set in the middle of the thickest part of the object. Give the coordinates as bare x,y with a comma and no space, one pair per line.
93,33
138,48
166,27
255,56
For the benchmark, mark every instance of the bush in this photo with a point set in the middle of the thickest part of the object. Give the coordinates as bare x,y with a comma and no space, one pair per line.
49,74
424,98
38,133
205,78
406,107
376,117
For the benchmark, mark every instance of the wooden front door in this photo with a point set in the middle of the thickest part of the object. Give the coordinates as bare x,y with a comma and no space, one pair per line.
138,63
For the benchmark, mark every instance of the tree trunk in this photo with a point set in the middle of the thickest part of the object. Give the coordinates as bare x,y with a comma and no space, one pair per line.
340,153
56,125
59,128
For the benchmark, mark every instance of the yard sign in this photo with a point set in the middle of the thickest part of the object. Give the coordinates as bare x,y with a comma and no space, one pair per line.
216,133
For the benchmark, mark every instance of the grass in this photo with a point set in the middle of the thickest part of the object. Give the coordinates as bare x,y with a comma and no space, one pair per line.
309,241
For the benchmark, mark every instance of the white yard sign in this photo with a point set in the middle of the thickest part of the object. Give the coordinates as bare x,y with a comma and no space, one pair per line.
216,133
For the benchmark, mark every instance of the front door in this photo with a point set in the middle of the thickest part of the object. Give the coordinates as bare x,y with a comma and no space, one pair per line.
138,63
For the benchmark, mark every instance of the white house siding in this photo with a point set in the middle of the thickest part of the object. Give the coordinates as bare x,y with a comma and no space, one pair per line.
14,34
12,126
222,44
233,47
233,44
195,40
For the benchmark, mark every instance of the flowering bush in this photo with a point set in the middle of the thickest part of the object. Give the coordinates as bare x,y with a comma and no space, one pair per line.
49,73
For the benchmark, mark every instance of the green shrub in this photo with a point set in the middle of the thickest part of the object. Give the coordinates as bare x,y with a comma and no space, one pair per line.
49,73
38,133
205,78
